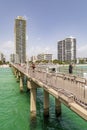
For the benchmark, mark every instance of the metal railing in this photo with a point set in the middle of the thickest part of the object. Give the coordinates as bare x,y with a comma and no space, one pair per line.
74,87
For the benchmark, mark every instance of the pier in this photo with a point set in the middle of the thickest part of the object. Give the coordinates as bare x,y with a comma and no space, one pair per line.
67,89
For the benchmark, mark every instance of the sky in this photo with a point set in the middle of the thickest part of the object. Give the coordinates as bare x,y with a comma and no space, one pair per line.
48,21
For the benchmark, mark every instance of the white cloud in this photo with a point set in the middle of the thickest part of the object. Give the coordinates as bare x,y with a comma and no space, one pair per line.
82,51
8,47
34,51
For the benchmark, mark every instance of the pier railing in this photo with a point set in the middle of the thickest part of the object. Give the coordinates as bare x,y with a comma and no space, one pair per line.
68,89
70,85
74,87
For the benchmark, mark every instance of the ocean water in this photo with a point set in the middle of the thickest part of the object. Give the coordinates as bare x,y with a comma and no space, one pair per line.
15,109
78,70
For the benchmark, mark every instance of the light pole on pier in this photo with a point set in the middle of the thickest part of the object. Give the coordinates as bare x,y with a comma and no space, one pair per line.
27,67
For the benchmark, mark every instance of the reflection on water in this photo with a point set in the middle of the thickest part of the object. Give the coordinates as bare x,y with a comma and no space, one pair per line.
33,124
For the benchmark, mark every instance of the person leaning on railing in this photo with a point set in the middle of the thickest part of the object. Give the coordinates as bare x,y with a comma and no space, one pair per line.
70,68
33,66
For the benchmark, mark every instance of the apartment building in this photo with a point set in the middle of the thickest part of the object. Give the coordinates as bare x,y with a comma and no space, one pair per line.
67,49
20,38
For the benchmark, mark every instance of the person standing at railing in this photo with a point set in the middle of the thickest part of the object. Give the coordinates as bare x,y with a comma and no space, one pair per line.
70,68
33,67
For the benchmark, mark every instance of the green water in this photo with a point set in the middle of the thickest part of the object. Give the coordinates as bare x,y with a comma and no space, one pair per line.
15,109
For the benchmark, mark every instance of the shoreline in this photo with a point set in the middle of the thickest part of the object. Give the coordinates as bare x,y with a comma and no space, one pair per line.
4,66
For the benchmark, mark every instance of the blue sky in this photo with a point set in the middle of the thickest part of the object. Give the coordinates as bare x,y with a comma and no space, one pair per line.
48,21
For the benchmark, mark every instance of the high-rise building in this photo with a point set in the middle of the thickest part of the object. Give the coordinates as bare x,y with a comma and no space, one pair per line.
67,49
20,38
33,58
43,56
14,58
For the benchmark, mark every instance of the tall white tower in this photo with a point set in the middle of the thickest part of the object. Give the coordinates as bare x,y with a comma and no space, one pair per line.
20,38
67,49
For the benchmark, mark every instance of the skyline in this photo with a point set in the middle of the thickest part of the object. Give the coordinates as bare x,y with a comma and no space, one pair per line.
48,22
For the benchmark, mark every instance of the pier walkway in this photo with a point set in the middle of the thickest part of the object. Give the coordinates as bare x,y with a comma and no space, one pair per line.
67,89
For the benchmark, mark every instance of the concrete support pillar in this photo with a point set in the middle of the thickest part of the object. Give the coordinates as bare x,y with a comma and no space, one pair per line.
17,76
57,107
21,84
28,84
33,101
46,103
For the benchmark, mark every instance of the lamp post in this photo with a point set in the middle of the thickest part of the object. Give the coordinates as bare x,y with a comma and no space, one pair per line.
27,67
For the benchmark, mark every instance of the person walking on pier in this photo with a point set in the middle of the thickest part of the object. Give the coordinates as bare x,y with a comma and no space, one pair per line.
33,66
70,69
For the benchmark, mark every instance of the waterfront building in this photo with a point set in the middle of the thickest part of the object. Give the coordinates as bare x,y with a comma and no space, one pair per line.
82,60
67,49
33,58
20,38
14,58
43,56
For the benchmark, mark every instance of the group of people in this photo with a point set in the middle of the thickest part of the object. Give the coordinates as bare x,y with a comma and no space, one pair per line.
70,67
